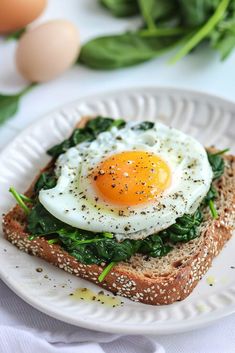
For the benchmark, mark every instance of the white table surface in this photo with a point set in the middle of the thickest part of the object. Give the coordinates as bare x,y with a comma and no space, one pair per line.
200,71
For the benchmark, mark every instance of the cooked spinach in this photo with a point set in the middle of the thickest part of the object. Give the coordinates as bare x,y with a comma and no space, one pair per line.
89,247
145,125
165,24
185,229
209,201
88,133
47,180
41,222
217,164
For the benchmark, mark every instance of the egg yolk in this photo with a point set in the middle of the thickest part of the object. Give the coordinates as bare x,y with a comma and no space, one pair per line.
131,178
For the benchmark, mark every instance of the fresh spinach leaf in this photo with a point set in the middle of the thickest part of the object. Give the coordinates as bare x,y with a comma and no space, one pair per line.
16,35
116,51
203,32
9,104
121,8
196,12
180,22
147,11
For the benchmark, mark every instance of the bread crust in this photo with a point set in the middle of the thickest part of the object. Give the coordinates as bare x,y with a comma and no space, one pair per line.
123,280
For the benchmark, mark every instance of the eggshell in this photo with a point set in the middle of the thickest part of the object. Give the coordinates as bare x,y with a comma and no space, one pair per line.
16,14
47,50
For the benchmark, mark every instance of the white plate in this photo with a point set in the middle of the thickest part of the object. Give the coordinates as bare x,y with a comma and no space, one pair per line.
211,120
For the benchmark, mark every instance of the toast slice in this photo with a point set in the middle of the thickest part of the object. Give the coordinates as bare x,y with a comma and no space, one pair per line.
153,281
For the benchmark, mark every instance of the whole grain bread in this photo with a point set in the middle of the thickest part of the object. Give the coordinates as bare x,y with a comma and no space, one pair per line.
153,281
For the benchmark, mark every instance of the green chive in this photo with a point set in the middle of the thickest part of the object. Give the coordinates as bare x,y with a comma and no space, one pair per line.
19,200
105,271
213,209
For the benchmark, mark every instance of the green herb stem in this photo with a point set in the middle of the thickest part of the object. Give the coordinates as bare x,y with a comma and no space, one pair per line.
15,35
106,271
202,32
221,152
163,32
19,200
213,209
146,7
89,241
25,198
26,89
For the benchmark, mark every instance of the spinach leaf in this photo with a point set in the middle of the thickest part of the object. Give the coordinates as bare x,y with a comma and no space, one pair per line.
16,35
179,22
225,43
116,51
209,201
91,130
217,163
121,8
185,229
145,125
196,12
164,10
41,222
9,104
147,11
89,247
47,180
203,32
154,246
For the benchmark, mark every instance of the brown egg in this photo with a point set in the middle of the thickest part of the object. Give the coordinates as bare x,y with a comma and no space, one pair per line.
47,50
16,14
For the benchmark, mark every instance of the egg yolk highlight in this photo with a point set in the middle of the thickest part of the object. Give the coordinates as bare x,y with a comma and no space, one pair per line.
131,178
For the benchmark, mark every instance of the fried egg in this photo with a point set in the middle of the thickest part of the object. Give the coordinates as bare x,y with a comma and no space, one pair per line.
129,182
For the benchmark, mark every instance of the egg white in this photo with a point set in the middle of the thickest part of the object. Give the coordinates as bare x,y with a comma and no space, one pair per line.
74,200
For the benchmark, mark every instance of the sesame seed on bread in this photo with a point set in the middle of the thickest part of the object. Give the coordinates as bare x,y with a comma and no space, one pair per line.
144,279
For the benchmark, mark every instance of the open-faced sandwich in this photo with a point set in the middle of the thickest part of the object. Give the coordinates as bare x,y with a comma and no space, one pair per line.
138,208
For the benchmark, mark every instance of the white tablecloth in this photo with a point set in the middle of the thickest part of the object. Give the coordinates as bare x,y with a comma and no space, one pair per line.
24,329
